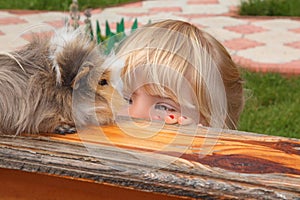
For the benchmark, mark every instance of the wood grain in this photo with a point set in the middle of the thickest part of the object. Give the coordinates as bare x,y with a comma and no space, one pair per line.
186,162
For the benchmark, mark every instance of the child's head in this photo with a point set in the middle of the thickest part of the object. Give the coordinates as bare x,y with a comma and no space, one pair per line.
180,68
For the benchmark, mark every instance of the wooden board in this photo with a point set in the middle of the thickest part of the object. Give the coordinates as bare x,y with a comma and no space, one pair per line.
184,162
21,185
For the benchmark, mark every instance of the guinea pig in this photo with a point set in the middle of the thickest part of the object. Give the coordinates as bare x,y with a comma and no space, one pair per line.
37,84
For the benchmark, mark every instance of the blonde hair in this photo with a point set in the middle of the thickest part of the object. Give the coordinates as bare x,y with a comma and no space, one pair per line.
181,62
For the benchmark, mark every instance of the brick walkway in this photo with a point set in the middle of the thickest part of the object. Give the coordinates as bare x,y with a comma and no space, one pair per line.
258,43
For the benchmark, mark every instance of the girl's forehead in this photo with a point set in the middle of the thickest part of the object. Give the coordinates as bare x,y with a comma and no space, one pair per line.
153,90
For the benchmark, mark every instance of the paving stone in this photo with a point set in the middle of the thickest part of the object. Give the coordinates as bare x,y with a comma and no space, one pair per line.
56,24
10,42
164,4
222,34
279,37
289,68
193,16
205,9
155,17
29,36
21,13
134,15
133,5
165,9
229,3
125,10
241,44
296,30
246,29
202,2
16,32
96,11
274,24
11,21
162,16
294,45
270,54
219,22
5,14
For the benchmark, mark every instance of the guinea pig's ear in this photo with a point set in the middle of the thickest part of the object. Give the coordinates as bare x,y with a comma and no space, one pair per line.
83,72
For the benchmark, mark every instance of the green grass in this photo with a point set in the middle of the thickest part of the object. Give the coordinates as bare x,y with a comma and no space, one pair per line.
272,104
61,5
270,7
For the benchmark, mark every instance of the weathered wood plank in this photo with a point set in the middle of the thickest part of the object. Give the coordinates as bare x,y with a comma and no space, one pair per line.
236,164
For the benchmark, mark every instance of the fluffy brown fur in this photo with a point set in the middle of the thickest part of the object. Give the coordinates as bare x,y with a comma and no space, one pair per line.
37,83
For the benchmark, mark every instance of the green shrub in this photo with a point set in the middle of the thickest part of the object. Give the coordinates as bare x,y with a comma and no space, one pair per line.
270,7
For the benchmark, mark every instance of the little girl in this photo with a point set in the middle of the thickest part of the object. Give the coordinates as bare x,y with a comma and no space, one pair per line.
175,72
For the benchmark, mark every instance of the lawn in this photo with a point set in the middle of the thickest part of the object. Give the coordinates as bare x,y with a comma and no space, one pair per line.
272,104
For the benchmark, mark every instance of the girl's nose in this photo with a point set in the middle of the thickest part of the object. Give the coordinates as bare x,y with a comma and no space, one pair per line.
146,112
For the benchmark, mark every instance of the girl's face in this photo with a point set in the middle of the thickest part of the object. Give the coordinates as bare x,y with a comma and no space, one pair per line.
143,105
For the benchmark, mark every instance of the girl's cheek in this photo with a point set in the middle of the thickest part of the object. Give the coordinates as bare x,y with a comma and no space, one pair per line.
156,117
183,120
157,114
171,119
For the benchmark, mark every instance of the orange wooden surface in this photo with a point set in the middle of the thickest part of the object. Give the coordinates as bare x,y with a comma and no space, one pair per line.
283,153
19,185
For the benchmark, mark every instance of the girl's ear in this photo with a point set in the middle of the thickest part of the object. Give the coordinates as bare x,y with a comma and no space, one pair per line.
82,73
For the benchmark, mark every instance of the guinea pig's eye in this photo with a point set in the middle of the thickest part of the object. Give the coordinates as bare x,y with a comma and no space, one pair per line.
103,82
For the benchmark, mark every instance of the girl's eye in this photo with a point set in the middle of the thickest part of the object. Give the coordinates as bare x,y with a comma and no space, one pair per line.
129,100
164,107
